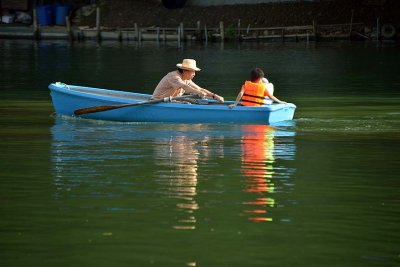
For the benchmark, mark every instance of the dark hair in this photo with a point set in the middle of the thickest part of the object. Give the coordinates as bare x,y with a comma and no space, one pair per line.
256,74
180,70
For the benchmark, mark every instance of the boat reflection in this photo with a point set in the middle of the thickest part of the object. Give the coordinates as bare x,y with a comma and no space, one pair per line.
91,158
258,163
150,167
179,179
178,158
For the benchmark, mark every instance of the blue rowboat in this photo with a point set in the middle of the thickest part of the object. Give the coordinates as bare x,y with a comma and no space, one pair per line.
69,98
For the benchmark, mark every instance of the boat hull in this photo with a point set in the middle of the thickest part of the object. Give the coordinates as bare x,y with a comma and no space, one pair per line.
68,98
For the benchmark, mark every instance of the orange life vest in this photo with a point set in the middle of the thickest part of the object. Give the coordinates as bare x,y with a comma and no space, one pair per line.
254,94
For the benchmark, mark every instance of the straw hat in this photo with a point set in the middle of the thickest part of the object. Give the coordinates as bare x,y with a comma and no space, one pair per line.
188,64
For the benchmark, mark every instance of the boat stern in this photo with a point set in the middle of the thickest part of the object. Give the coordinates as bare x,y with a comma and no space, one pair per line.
281,112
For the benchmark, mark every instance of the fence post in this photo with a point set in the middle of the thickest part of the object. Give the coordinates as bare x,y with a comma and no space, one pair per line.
136,31
351,23
198,31
205,33
119,35
98,32
378,32
179,36
35,26
164,36
182,31
69,32
314,30
239,28
221,30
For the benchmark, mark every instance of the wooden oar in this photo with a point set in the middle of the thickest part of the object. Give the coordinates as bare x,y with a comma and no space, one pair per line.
95,109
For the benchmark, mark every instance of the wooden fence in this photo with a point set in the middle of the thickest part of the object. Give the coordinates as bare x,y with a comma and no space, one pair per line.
201,32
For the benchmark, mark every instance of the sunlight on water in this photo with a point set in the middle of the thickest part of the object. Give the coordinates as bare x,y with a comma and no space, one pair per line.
180,158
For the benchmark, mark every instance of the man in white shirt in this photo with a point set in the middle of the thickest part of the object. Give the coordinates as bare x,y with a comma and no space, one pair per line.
178,82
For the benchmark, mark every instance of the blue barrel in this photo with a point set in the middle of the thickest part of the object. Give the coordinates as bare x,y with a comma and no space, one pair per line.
45,15
61,12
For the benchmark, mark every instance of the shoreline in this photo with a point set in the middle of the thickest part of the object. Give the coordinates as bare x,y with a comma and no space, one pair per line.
138,20
304,33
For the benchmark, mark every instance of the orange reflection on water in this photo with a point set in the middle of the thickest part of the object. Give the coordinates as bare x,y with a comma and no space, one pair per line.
260,219
256,211
262,201
257,167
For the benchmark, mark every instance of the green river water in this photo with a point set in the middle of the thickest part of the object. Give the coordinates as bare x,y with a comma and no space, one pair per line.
321,190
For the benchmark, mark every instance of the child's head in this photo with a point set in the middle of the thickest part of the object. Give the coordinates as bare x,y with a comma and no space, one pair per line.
256,74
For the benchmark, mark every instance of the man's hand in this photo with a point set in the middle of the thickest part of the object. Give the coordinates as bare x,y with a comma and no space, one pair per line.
202,95
218,98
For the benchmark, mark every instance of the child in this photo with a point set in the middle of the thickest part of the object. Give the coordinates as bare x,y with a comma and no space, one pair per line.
256,92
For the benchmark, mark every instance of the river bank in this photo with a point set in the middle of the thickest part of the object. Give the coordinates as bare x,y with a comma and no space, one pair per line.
123,14
150,20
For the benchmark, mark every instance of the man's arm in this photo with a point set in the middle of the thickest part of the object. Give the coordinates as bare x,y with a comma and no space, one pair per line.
206,92
176,82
